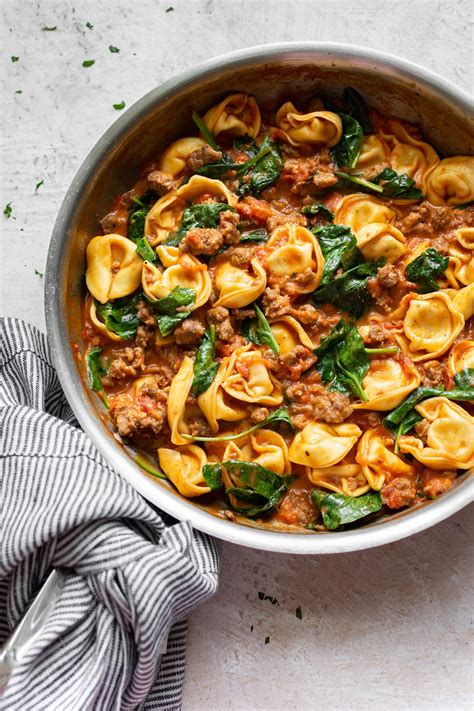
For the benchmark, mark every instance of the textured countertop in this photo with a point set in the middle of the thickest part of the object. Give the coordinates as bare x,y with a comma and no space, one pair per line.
385,628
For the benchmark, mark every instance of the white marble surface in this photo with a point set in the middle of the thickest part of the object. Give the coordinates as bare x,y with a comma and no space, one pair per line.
382,628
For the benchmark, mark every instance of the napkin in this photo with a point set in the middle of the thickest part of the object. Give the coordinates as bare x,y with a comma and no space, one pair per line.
117,636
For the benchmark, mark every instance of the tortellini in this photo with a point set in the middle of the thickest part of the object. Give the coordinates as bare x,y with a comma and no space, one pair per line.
183,466
293,253
320,445
374,152
177,410
263,447
188,273
239,286
249,379
113,267
358,210
216,405
289,333
452,181
431,324
165,215
100,325
322,128
408,154
461,356
461,258
387,382
449,437
173,160
378,461
381,240
236,115
463,301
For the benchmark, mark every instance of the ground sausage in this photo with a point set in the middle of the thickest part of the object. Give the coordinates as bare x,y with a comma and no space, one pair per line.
311,401
220,317
228,222
388,276
147,412
202,156
202,240
399,492
160,182
434,483
128,363
275,304
145,336
433,374
189,332
145,314
297,508
114,222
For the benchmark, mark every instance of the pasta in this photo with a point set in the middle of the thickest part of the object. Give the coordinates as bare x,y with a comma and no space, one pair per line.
283,320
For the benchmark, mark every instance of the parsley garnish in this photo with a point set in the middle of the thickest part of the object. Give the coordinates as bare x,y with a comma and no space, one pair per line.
273,600
298,613
113,49
15,59
120,106
89,25
18,91
49,29
40,274
88,62
169,9
38,185
267,640
7,210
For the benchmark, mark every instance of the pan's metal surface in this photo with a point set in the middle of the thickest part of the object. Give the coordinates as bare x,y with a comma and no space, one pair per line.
445,114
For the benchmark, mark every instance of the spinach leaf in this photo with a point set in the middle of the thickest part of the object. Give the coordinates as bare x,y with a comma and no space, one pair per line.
206,134
277,417
120,316
261,170
166,311
95,369
205,367
388,184
338,509
261,488
356,108
339,248
346,152
258,331
349,292
212,474
203,215
423,270
465,205
219,168
404,417
342,360
256,236
318,210
136,226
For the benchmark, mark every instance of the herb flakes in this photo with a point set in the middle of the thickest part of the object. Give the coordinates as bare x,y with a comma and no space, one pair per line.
119,106
298,613
88,62
38,185
8,210
113,50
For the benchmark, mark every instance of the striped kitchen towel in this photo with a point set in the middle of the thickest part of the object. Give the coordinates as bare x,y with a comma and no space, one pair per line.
116,639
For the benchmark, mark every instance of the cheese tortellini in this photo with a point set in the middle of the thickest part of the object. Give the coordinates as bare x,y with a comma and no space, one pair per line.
377,459
461,356
318,127
216,404
293,253
165,215
264,447
381,240
249,379
187,273
177,409
461,258
431,324
236,115
359,210
174,160
408,154
452,181
374,152
239,286
113,267
183,466
387,382
289,333
449,436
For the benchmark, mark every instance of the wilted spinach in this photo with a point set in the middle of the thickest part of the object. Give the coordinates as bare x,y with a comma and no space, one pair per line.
120,315
346,152
356,108
388,184
318,210
349,292
423,270
280,416
258,331
205,367
261,488
95,369
136,226
167,315
339,248
255,236
203,215
342,360
262,169
338,509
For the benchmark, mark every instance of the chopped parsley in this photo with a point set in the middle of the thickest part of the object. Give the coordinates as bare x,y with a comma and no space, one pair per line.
273,600
18,91
15,59
113,49
119,106
49,29
169,9
298,613
251,628
267,640
38,185
8,210
89,25
88,62
40,274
